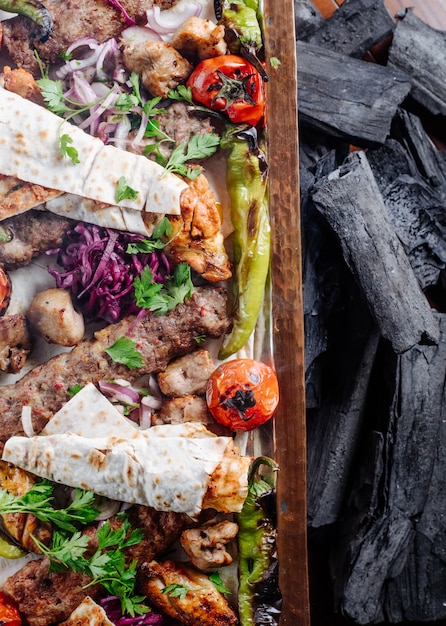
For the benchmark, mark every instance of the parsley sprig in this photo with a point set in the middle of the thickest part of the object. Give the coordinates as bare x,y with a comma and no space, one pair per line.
198,147
39,501
160,298
124,351
106,566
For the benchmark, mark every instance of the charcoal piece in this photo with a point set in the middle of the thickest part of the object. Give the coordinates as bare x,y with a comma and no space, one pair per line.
430,162
307,18
418,216
390,161
354,27
348,98
420,51
389,560
350,201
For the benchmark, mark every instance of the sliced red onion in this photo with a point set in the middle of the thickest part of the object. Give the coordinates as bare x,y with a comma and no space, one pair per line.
74,65
97,111
91,42
106,60
152,402
120,8
119,393
139,34
120,138
167,22
27,422
82,90
141,131
145,416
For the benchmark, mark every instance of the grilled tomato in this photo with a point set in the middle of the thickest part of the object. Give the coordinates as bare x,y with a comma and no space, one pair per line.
5,291
231,85
242,394
9,614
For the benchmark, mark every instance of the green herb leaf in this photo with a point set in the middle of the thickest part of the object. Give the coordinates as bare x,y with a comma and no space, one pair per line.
160,298
38,501
134,79
74,389
53,95
200,338
176,591
107,566
126,101
68,151
124,351
124,192
65,56
181,93
216,580
161,230
275,62
199,146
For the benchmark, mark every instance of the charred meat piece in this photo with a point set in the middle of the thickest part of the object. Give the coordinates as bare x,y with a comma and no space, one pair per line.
22,83
159,339
199,39
196,237
30,234
160,66
161,529
45,597
187,375
20,526
71,20
15,343
202,604
206,546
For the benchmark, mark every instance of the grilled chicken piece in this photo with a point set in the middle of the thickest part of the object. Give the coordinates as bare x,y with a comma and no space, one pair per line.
183,409
15,343
187,375
199,39
22,83
20,526
88,613
160,66
202,605
206,546
53,316
196,237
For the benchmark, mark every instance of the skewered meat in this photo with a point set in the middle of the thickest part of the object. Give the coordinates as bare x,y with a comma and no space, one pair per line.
202,604
30,234
184,409
21,526
15,343
199,39
160,66
71,20
206,546
158,339
197,238
187,375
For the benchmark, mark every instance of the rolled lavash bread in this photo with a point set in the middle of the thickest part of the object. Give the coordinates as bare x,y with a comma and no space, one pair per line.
182,468
29,142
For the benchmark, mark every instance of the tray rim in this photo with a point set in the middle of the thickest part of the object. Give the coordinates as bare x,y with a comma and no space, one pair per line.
287,311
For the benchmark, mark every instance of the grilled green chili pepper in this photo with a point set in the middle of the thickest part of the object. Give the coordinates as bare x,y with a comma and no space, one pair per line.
34,10
259,597
246,181
243,33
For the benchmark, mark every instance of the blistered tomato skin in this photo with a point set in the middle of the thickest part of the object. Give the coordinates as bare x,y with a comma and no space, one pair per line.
242,394
9,613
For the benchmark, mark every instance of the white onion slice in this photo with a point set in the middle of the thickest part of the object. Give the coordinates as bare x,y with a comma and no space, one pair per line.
139,34
27,422
167,22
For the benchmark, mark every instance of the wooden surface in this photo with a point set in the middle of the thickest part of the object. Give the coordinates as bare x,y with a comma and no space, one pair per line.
432,12
288,336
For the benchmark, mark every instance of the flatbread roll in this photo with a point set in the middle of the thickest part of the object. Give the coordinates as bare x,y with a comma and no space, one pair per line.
29,150
89,444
